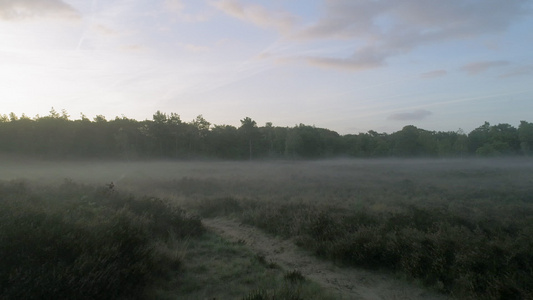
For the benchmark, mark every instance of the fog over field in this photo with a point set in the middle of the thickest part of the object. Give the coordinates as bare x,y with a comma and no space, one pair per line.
467,170
277,177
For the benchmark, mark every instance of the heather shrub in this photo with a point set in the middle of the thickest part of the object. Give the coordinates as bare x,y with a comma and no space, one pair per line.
472,258
81,242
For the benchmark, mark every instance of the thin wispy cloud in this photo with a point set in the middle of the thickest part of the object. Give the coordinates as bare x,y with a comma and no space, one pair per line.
392,27
196,48
16,10
416,115
360,61
133,48
178,8
433,74
175,6
104,30
258,15
518,71
479,67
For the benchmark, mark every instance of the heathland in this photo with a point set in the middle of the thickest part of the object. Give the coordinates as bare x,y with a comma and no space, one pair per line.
461,227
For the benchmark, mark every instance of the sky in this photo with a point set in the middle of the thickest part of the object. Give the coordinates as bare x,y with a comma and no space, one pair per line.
346,65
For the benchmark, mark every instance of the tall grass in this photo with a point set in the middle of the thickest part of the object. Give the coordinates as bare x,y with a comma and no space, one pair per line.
83,242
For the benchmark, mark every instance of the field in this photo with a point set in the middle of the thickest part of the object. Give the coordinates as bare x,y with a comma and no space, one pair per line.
460,227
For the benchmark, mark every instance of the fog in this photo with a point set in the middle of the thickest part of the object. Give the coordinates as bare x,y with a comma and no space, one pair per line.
276,178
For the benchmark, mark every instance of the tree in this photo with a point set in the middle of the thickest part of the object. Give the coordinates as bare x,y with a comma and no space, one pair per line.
158,130
268,136
223,142
13,117
525,135
504,138
489,140
54,135
100,119
478,137
292,142
165,133
460,146
407,141
64,114
54,114
195,133
177,131
202,125
249,131
128,140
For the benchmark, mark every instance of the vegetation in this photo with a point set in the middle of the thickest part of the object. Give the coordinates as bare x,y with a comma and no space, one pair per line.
465,258
290,290
463,230
76,241
80,242
217,268
167,136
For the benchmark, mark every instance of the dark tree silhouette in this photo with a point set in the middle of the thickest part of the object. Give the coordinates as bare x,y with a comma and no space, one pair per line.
167,136
249,131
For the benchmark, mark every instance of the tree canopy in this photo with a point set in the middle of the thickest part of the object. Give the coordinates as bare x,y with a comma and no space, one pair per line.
167,136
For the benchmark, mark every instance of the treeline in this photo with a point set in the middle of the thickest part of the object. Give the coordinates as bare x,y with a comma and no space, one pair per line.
167,136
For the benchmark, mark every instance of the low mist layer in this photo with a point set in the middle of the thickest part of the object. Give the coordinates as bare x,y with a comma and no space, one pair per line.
280,176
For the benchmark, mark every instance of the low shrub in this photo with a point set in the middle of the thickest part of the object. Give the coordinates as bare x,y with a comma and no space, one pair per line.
81,242
468,258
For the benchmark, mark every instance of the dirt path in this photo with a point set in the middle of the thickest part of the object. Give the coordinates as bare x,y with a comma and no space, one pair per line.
347,283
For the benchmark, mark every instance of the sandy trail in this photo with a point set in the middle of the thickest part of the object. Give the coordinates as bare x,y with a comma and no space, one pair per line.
346,283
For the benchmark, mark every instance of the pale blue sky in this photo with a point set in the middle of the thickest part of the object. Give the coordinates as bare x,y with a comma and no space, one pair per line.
347,65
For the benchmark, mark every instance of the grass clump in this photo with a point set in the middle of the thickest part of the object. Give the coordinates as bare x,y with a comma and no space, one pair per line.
262,260
82,242
291,289
294,276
